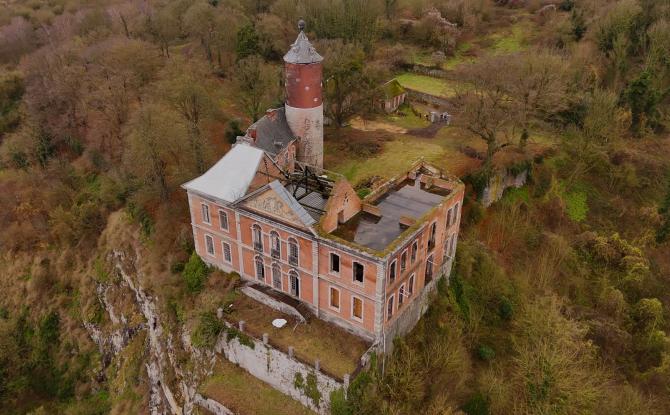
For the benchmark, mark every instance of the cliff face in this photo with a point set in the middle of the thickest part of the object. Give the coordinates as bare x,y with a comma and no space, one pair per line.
136,330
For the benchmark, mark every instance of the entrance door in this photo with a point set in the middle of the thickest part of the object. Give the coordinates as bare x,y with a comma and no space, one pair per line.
295,285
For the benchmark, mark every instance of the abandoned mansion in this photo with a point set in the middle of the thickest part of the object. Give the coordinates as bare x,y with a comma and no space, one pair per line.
270,212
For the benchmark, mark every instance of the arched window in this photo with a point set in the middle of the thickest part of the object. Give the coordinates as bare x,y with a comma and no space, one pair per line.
275,245
260,268
431,239
389,308
415,248
293,252
429,269
276,276
294,281
258,238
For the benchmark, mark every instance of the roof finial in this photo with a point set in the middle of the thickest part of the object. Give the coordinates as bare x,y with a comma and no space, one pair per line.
301,25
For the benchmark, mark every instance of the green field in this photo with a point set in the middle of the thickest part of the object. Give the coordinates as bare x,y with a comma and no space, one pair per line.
427,84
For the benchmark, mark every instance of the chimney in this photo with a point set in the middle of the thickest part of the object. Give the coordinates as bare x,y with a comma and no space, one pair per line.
251,132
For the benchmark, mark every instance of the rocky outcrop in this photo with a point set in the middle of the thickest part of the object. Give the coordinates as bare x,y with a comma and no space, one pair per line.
172,388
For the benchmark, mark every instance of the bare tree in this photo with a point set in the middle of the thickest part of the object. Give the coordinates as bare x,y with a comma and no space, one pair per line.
484,103
256,85
538,87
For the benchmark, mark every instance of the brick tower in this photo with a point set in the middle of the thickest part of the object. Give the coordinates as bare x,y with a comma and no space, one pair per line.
304,103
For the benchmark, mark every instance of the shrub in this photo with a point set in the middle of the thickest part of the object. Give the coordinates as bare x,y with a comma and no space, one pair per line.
505,308
485,353
195,273
477,405
208,330
575,205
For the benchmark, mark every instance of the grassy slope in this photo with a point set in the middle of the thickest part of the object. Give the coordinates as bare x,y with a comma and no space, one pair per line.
240,392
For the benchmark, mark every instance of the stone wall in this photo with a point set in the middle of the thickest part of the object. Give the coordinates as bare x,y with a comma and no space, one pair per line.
280,370
499,183
428,98
272,303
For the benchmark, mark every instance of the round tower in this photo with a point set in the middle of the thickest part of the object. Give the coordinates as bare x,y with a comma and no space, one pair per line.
304,101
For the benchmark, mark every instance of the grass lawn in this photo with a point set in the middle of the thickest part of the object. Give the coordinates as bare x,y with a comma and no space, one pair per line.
338,351
406,118
511,40
399,151
427,84
246,395
398,155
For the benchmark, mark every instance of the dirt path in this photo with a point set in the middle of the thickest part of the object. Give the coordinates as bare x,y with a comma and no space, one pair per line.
371,125
427,132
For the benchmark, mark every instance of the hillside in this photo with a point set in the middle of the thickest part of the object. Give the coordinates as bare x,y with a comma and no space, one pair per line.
560,298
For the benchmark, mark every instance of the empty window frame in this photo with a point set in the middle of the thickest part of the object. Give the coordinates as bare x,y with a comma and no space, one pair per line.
452,246
389,308
227,255
429,269
334,298
276,276
356,308
257,236
410,286
431,237
415,249
275,245
359,272
205,213
209,244
403,261
293,252
334,263
223,219
260,268
454,219
392,270
401,295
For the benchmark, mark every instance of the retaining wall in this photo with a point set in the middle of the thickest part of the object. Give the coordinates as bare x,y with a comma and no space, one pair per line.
280,370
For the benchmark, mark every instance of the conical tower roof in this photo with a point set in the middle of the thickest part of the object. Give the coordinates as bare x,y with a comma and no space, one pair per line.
302,50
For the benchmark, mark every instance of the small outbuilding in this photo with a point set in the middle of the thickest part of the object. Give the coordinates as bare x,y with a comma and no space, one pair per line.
393,95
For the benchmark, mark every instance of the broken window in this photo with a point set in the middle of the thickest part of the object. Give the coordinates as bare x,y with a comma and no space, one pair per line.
223,219
257,237
205,213
410,286
392,271
403,261
275,245
359,271
389,308
210,244
334,263
401,295
415,248
295,283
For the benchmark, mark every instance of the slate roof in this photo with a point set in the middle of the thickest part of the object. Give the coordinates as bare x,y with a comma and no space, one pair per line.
302,51
230,177
272,131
